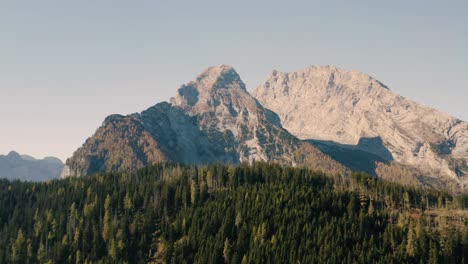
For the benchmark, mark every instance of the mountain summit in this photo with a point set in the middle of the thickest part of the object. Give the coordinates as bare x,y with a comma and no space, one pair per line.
213,83
211,119
342,111
230,116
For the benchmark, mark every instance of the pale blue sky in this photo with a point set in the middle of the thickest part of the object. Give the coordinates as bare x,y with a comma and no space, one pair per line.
66,65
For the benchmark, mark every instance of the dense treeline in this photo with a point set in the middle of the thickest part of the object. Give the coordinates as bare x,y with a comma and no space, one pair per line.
255,213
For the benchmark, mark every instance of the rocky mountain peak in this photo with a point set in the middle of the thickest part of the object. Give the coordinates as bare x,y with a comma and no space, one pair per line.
326,103
220,77
208,87
219,101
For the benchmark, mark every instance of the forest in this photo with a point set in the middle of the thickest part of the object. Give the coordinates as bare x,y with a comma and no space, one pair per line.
247,213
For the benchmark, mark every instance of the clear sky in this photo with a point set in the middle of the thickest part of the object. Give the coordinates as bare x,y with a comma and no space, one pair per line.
65,65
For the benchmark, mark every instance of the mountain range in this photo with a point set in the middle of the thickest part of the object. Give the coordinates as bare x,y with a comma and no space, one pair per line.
23,167
211,119
324,117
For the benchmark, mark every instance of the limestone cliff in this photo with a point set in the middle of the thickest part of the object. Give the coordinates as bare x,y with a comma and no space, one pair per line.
343,109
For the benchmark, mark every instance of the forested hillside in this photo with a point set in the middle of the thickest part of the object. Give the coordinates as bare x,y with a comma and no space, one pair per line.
259,213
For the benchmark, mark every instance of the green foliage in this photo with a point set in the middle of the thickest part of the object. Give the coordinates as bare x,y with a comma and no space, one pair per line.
259,213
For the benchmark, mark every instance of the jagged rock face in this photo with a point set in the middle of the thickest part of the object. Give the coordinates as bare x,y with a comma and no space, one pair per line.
23,167
224,110
232,118
211,119
331,104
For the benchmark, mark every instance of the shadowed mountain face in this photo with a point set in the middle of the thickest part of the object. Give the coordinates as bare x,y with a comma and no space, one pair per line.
361,157
330,104
26,168
211,119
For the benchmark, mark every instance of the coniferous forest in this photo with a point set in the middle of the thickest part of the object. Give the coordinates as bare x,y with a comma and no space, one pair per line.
258,213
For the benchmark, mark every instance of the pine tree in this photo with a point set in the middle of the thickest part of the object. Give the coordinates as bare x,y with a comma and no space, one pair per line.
371,210
17,248
407,200
244,260
433,257
194,192
106,228
227,250
128,205
351,208
238,220
411,242
41,253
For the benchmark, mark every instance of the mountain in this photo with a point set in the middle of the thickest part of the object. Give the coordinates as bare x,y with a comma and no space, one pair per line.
363,124
212,119
23,167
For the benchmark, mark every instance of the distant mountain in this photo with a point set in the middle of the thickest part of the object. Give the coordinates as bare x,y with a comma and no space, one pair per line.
212,119
361,123
23,167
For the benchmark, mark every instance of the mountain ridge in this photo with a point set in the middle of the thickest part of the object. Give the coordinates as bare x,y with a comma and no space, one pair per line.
211,119
14,166
322,117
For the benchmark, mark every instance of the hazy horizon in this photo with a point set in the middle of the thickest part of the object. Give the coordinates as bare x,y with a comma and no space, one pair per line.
66,66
